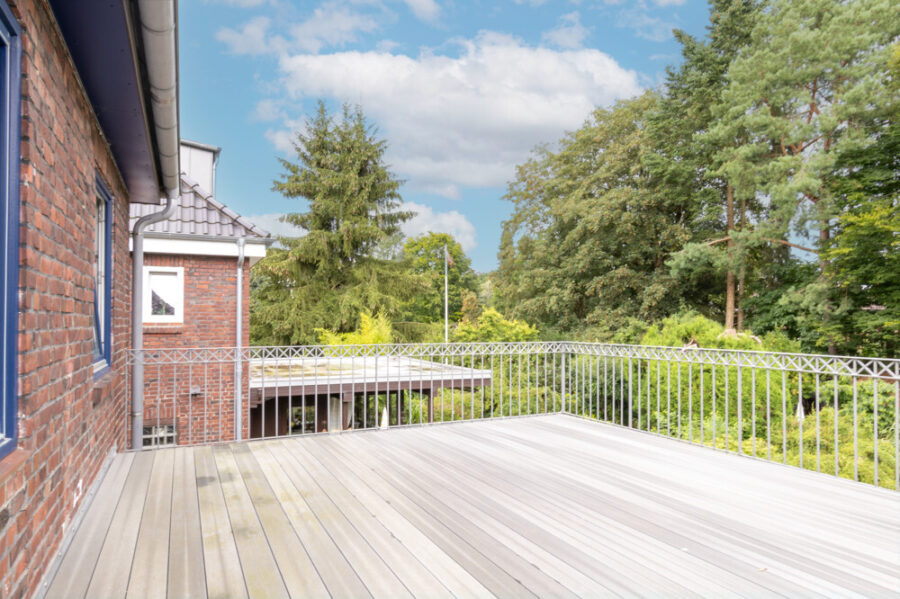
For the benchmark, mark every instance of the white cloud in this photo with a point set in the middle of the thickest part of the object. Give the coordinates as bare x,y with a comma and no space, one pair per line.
427,10
283,139
668,2
330,25
252,38
570,33
449,191
425,220
463,120
452,222
387,46
268,110
637,17
271,224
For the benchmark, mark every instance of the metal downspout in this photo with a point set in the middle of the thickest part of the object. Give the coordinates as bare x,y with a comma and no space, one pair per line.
158,29
137,320
238,359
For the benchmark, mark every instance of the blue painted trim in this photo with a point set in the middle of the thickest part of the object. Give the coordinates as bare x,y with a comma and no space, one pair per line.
10,111
106,340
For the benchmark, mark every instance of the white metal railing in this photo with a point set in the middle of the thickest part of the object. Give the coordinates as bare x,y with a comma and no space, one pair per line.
827,413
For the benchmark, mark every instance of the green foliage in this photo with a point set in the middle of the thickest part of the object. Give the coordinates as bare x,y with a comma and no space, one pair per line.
683,159
863,259
492,326
692,328
418,332
328,276
424,256
808,89
372,329
803,91
577,247
774,141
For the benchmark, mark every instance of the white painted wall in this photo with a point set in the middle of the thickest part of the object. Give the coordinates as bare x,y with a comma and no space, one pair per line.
199,165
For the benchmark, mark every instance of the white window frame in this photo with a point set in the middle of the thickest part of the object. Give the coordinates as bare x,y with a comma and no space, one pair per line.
150,318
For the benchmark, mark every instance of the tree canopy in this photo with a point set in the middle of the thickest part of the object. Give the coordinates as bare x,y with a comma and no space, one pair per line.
325,278
424,256
753,187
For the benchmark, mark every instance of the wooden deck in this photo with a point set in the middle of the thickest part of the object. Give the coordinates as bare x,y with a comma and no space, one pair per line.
549,506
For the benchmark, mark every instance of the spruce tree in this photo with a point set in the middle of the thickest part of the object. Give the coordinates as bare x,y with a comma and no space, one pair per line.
332,272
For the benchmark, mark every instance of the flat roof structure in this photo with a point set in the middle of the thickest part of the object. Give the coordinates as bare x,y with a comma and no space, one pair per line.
274,377
543,506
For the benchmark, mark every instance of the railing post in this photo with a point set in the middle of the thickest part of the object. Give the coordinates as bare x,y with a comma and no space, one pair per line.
563,372
238,395
137,400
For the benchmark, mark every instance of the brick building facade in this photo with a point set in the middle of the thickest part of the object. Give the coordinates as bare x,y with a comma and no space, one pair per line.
195,255
67,405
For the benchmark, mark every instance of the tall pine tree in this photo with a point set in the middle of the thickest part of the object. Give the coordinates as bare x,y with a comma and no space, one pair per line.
330,274
685,160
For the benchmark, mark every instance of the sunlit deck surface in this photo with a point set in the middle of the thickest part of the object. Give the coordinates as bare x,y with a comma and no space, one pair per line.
547,506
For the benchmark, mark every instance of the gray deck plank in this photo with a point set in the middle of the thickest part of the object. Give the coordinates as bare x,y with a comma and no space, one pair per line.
300,576
530,543
75,570
600,537
802,555
476,559
413,573
543,528
440,487
339,577
771,507
371,569
805,556
453,576
187,572
261,573
686,528
540,506
224,575
852,499
110,577
149,568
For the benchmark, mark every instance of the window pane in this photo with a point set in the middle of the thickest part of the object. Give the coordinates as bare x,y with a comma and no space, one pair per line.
164,293
99,278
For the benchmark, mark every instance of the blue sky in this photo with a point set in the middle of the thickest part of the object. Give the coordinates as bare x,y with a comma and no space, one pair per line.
462,91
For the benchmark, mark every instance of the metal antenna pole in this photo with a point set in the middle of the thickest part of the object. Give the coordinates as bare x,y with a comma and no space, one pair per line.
446,301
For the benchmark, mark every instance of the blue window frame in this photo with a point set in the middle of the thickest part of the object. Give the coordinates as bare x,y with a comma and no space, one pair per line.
102,279
10,89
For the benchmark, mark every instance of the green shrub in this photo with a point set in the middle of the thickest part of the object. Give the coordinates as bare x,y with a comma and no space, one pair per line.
372,329
492,326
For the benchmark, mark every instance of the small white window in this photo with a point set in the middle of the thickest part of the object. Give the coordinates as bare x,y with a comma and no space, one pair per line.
163,294
162,435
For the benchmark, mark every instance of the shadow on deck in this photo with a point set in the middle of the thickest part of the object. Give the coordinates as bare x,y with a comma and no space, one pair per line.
547,506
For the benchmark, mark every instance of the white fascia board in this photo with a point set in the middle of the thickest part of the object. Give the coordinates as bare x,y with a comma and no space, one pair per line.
253,251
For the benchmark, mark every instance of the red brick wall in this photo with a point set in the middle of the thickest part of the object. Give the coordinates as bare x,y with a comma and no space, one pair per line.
68,422
210,303
210,307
